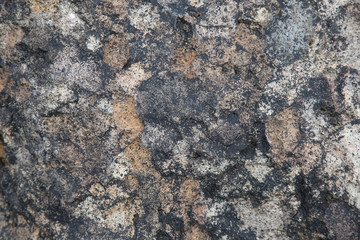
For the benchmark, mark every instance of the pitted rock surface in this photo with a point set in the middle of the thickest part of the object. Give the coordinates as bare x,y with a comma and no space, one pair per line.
184,119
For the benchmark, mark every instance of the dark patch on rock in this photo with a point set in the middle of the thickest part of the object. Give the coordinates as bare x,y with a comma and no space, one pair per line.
179,119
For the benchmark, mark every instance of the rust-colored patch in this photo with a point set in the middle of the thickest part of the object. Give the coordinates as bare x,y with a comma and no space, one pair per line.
309,155
70,157
189,191
23,230
77,162
196,233
199,210
183,60
15,36
132,182
119,7
189,194
127,119
116,51
140,159
2,151
3,78
167,194
18,90
131,79
53,124
115,192
254,46
97,190
249,41
23,90
40,6
283,133
9,37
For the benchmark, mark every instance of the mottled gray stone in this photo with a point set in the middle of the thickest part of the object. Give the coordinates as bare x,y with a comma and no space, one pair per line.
184,119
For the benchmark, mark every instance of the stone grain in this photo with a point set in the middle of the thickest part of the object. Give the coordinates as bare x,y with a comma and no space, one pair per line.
179,119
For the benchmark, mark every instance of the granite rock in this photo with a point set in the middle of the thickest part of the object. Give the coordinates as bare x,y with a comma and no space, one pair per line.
184,119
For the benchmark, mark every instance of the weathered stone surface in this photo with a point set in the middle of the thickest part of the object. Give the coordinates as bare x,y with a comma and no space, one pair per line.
183,119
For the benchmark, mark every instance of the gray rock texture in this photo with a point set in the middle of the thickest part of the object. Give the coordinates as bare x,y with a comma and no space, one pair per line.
180,119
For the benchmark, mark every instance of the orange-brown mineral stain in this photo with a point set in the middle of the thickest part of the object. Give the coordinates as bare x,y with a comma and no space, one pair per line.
254,46
118,7
40,6
127,119
116,51
140,160
21,89
199,212
310,154
183,61
15,36
196,233
189,191
283,133
9,37
3,78
2,151
189,197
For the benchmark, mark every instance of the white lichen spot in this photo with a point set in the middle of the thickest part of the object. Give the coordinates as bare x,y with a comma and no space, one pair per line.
350,55
105,105
181,152
221,15
196,3
131,79
145,18
53,97
90,209
93,43
23,68
330,8
315,124
351,93
268,221
67,68
120,167
263,17
213,209
203,167
109,208
70,23
258,171
116,217
265,109
342,163
285,44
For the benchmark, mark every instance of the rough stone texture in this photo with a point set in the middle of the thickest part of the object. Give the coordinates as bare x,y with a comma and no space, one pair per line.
180,119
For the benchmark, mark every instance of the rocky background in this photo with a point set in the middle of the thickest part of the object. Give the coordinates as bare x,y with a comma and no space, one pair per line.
179,119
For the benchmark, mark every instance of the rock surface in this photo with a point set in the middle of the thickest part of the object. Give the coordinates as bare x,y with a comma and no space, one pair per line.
184,119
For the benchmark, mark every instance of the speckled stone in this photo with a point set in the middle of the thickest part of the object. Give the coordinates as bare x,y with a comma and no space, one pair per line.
180,119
